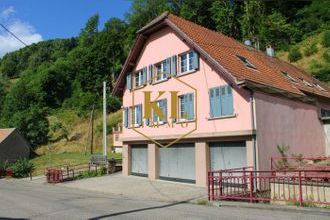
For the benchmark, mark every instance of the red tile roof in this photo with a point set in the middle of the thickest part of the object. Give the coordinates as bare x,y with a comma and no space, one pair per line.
224,50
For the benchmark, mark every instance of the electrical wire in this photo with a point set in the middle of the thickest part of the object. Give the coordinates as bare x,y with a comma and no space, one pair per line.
12,34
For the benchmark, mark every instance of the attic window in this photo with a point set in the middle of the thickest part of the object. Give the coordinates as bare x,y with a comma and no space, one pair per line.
246,62
307,83
287,75
325,113
320,87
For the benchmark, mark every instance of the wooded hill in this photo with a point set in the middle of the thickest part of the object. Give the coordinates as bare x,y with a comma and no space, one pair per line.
42,79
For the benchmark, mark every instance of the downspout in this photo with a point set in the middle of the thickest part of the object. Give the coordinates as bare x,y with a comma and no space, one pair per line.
254,139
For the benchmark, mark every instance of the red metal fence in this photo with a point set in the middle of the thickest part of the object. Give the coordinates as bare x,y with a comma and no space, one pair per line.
284,186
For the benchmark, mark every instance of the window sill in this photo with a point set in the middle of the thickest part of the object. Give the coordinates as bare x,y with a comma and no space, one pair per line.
139,87
159,81
135,126
187,72
222,117
185,121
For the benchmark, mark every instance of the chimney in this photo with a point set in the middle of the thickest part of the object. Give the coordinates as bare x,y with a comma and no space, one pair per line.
270,51
248,43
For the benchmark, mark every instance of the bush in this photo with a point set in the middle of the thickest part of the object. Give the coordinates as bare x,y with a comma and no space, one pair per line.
326,55
92,173
21,168
294,54
311,49
326,38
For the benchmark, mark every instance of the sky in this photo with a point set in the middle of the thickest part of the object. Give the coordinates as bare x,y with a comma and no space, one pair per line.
37,20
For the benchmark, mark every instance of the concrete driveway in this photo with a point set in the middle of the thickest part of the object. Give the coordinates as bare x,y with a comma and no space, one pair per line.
140,187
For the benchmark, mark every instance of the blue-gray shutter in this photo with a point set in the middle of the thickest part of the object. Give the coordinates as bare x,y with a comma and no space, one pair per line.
126,117
214,94
144,75
165,109
150,74
190,98
129,81
226,101
195,63
168,67
139,115
173,65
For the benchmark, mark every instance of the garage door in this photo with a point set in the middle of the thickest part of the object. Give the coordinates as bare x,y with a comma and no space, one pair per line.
177,163
139,160
227,155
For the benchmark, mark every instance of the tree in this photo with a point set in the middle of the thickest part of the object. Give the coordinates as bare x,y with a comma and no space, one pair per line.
88,33
225,16
253,14
32,123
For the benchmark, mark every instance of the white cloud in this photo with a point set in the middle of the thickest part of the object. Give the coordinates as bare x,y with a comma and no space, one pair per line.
23,30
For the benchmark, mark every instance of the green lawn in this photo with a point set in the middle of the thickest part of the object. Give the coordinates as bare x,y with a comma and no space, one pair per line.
61,159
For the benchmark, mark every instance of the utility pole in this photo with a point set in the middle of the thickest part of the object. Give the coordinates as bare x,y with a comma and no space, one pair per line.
104,119
92,133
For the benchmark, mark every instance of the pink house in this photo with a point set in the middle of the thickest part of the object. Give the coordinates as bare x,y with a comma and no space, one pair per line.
195,100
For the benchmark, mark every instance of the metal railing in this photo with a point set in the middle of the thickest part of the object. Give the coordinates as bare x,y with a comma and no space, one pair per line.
298,187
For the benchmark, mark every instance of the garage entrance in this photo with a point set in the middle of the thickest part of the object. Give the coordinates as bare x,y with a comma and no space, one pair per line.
177,163
227,155
139,159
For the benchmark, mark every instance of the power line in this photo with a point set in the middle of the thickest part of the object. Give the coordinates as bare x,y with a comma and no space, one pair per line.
12,34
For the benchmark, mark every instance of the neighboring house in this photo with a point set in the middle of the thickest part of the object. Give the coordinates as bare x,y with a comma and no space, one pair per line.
117,145
13,146
247,103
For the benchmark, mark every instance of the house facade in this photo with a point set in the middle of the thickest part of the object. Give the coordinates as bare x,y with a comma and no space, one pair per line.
195,100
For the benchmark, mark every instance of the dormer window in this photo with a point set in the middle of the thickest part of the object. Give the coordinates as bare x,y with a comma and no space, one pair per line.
246,62
307,83
320,87
289,77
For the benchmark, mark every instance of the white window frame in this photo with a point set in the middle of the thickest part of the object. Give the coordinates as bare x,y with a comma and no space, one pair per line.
180,109
163,75
140,78
158,118
246,62
189,57
289,77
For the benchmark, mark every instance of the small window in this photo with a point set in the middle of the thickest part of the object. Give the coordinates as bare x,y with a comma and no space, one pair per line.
325,113
162,104
289,77
320,87
186,107
307,83
188,62
246,62
162,70
138,78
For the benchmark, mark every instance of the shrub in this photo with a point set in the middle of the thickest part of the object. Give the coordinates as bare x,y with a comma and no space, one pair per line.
22,168
311,49
326,55
294,54
326,38
101,171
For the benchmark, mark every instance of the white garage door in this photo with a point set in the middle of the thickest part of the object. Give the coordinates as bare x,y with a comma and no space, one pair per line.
139,160
227,155
177,163
327,137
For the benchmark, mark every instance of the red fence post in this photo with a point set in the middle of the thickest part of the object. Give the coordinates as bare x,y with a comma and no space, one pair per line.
212,185
208,185
300,190
251,187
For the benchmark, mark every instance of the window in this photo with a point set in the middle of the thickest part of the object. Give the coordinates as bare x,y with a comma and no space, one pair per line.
186,106
162,70
289,77
221,101
307,83
129,115
162,104
320,87
138,78
325,113
188,62
246,62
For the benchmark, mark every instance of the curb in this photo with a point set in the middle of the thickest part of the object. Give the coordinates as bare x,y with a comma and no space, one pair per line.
270,207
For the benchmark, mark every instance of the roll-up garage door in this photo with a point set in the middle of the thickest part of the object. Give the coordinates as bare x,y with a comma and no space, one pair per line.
177,163
227,155
139,160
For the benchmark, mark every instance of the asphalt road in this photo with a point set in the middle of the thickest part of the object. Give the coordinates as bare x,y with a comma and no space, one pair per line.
25,200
